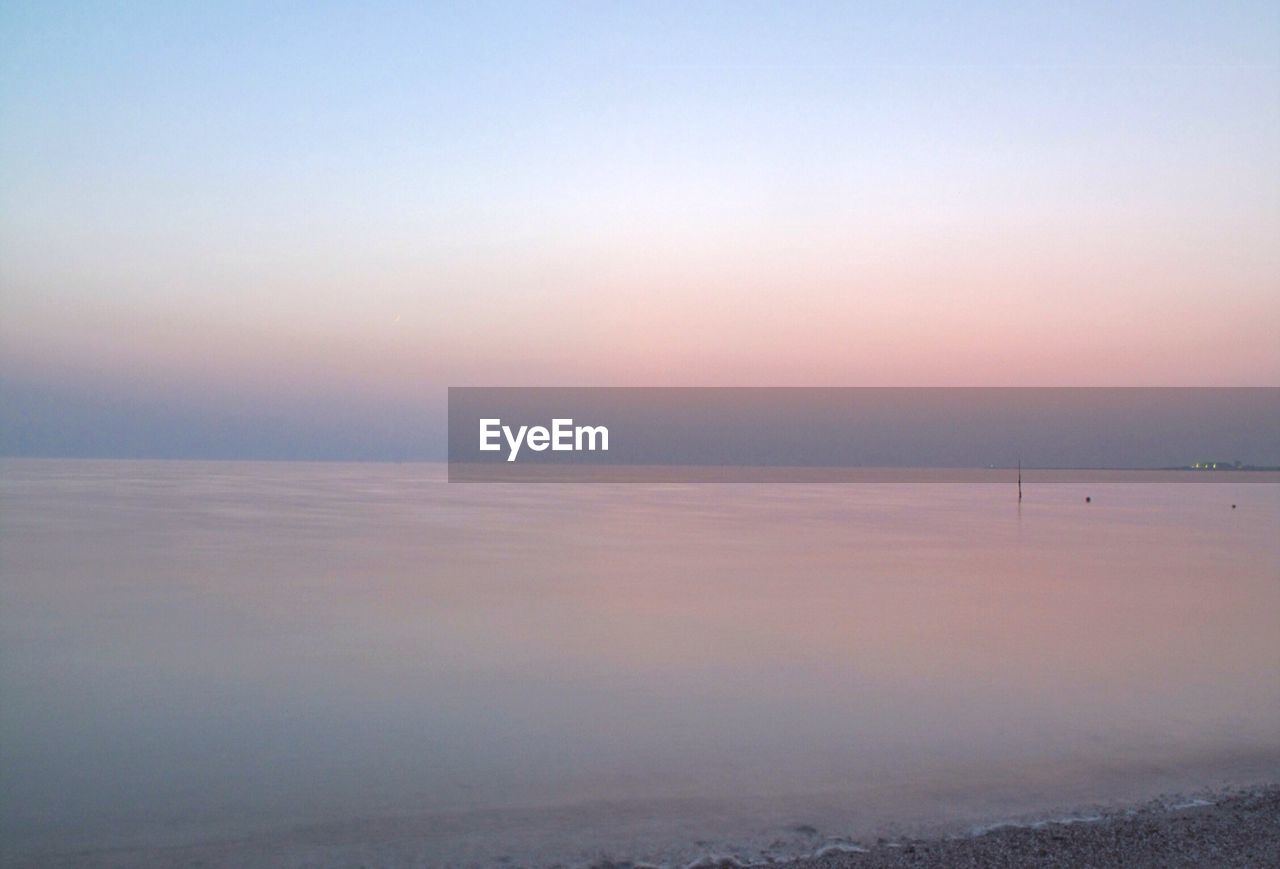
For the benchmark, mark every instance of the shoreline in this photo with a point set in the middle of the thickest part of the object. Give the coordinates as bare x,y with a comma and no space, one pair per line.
1235,829
1229,828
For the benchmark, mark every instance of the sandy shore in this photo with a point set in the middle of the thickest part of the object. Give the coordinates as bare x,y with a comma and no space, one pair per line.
1238,830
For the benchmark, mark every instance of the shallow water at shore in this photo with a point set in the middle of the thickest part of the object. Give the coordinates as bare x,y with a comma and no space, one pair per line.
335,660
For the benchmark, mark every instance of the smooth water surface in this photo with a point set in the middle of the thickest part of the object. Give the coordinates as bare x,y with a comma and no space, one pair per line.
326,663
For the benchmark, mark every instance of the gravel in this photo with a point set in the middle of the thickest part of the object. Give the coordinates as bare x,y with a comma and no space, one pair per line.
1237,830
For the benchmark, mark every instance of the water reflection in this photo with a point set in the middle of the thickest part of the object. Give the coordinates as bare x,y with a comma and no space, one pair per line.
191,652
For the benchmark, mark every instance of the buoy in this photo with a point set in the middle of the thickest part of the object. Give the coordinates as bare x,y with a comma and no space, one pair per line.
1233,506
1088,500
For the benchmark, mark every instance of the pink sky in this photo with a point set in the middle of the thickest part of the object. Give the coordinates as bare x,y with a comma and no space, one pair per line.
323,211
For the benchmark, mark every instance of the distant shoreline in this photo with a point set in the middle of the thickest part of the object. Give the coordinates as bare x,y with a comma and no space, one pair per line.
1187,470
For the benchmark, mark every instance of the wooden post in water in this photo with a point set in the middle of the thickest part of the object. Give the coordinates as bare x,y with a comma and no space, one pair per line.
1019,481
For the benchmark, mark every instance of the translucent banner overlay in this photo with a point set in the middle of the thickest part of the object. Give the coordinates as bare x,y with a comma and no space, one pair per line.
810,435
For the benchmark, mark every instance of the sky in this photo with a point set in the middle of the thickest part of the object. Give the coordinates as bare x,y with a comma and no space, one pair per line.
282,230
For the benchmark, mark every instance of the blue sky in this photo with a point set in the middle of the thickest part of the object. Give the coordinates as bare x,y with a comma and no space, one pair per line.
278,212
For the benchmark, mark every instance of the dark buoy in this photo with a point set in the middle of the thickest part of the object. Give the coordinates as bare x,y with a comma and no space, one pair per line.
1088,500
1233,506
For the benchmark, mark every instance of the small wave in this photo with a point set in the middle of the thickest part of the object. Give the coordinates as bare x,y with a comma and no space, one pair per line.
721,861
983,829
841,848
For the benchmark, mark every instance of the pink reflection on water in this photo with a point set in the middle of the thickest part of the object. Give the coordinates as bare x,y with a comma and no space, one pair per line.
322,642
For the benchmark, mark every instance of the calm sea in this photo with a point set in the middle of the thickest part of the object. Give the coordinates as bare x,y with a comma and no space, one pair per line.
338,664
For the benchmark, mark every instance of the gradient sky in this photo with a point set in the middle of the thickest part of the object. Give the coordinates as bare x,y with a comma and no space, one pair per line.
282,230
